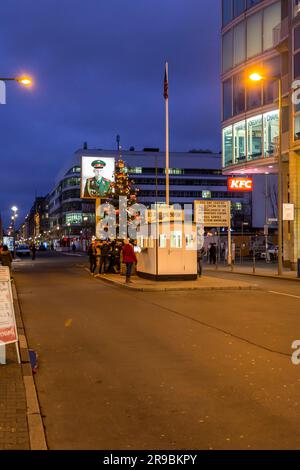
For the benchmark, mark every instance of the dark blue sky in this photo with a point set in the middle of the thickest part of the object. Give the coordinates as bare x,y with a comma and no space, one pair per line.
98,68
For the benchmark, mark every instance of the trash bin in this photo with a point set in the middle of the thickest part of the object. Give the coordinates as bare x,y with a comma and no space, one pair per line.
299,267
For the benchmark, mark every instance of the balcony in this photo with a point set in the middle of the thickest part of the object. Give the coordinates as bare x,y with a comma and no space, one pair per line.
281,35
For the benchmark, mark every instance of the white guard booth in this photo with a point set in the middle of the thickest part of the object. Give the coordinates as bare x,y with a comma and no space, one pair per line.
169,250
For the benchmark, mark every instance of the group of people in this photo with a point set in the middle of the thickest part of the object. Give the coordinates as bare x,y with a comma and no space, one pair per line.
107,256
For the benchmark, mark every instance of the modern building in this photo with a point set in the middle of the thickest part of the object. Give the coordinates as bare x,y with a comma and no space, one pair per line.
36,224
263,36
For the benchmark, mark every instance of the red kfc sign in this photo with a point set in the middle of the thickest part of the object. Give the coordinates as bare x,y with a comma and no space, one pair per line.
240,184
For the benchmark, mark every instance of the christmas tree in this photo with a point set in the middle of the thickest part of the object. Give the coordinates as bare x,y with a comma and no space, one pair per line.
123,186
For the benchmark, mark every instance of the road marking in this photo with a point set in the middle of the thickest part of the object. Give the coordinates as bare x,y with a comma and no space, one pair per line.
286,295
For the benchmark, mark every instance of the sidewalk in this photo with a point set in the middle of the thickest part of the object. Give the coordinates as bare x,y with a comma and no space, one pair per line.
21,425
269,271
204,283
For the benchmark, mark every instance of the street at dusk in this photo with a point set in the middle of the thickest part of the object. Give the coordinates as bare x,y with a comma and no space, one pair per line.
160,370
150,232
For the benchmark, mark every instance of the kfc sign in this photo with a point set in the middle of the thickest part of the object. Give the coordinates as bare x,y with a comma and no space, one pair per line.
240,184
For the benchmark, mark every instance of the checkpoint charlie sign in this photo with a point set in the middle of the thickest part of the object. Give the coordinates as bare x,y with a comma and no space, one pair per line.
215,213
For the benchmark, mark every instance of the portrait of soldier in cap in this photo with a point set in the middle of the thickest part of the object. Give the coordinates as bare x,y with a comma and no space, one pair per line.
97,186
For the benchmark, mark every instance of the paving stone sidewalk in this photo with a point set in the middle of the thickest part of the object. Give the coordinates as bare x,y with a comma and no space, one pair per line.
269,271
21,426
14,432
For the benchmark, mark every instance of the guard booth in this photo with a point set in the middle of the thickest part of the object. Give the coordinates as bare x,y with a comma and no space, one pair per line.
169,250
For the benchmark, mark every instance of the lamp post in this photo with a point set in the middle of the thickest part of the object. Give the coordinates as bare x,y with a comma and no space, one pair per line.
85,219
244,224
69,235
256,77
13,218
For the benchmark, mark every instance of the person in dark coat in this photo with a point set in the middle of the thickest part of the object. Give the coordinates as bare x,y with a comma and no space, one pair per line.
33,251
92,254
129,258
6,257
213,254
105,249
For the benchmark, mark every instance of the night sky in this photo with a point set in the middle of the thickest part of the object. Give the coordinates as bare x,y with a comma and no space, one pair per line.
98,68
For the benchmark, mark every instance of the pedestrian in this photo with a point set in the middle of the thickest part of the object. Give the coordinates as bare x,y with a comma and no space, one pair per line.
6,258
73,247
129,258
33,251
92,254
200,255
105,248
213,254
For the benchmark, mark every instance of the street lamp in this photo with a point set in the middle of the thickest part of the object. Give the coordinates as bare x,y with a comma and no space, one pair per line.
257,77
13,218
69,233
25,81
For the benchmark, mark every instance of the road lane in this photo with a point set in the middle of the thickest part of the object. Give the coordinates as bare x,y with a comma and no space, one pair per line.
122,370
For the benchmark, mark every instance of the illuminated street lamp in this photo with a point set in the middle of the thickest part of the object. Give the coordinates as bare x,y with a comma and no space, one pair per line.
25,81
257,77
13,218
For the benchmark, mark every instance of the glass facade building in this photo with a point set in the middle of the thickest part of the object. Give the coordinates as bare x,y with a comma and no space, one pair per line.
263,36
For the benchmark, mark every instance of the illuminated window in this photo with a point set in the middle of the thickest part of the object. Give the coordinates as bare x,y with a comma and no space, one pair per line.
162,240
239,43
272,17
176,239
206,194
239,133
227,146
271,132
255,131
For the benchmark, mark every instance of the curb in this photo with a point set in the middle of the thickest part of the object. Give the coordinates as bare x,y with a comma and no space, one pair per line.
37,437
174,289
283,278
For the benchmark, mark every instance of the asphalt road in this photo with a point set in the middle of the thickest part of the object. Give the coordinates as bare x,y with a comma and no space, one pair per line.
171,370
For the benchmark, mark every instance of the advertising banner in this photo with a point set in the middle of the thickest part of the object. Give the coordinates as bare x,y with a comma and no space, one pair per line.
240,184
8,329
97,176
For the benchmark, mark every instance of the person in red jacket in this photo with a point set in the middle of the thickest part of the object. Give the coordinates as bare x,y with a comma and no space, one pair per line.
128,258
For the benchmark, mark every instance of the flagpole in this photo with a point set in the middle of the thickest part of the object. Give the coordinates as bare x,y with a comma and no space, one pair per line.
167,141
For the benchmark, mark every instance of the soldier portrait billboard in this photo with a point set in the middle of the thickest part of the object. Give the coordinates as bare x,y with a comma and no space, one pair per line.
97,176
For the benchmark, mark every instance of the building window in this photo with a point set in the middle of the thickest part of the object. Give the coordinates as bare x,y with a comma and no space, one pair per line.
238,94
227,99
239,43
238,7
254,95
176,239
228,146
252,3
297,127
271,132
296,38
270,87
296,5
73,218
272,18
255,131
135,170
297,65
207,194
254,35
227,51
227,11
239,133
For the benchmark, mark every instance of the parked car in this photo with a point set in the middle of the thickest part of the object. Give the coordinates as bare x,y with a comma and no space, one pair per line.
22,250
273,253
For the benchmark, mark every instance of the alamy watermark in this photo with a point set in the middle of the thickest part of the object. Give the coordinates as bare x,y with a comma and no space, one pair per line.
139,222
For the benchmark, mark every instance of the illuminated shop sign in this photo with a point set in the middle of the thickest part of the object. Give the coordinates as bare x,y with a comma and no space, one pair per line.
240,184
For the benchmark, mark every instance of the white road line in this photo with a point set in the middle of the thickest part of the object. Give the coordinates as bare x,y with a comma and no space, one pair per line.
286,295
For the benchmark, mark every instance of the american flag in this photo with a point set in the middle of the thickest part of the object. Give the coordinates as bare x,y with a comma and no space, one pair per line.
166,84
